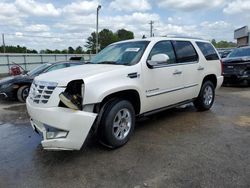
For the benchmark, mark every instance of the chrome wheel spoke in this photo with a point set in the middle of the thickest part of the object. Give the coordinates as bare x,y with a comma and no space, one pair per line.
208,95
122,124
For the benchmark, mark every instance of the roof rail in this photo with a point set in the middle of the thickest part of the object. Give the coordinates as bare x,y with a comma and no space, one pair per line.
183,36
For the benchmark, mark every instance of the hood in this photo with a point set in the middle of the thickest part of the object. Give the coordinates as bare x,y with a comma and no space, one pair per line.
14,79
236,59
64,76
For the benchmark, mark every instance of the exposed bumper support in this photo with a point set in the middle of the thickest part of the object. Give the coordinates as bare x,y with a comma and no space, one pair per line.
77,123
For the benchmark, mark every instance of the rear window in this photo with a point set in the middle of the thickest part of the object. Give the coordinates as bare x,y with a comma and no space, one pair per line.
185,52
208,50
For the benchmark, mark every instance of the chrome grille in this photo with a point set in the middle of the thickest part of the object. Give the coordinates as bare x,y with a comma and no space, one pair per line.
40,92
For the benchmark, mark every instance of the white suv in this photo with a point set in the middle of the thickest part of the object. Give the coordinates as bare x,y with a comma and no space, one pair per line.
126,80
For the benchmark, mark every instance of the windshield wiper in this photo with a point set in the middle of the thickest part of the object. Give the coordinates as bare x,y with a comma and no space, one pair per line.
88,62
108,62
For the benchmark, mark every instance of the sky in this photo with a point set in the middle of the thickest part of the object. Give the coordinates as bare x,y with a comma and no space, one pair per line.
63,23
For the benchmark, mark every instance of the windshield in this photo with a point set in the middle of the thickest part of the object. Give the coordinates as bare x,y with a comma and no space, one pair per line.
127,53
38,69
240,52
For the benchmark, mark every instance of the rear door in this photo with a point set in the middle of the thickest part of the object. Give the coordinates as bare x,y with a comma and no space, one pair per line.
188,62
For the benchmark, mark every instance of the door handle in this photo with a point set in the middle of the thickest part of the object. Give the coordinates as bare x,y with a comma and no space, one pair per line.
177,72
200,68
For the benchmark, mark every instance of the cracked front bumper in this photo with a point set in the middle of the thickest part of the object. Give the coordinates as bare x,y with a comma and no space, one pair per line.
77,123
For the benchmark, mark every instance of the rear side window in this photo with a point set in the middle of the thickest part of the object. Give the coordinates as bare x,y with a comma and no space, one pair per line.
208,50
185,52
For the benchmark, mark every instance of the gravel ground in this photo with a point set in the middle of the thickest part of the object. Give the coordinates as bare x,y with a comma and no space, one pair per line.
175,148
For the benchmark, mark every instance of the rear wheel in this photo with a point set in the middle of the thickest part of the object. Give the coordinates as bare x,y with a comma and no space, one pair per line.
205,99
22,93
117,124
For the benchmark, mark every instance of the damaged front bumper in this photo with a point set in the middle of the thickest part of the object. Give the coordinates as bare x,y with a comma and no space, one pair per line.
70,127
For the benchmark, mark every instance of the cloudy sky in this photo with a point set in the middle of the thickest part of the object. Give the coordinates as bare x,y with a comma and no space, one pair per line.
68,23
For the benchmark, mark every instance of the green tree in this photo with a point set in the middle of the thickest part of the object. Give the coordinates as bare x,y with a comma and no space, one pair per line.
107,37
79,50
223,44
213,42
124,34
64,51
91,43
71,50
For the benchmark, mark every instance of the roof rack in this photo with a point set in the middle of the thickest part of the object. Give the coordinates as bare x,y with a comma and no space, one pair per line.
183,36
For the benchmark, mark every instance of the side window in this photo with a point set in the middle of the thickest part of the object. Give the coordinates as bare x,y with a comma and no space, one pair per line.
163,47
185,52
208,50
56,67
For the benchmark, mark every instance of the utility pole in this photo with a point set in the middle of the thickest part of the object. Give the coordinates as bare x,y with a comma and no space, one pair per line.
3,43
151,28
97,17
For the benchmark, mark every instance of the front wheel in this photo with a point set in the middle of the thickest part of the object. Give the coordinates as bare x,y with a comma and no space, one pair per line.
22,93
205,99
118,123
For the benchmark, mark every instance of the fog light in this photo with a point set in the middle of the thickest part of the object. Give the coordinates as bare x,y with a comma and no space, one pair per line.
59,134
71,101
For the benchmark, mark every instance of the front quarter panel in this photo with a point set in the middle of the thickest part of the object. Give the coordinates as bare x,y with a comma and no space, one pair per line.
99,86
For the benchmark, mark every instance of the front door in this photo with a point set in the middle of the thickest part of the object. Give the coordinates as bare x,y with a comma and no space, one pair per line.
163,85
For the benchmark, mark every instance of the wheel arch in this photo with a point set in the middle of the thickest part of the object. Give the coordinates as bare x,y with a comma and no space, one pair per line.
212,78
131,95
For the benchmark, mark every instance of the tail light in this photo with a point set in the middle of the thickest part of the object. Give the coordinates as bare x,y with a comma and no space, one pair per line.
222,67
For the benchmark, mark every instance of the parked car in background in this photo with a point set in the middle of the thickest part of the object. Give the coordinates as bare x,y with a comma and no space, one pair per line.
125,80
17,87
236,67
224,53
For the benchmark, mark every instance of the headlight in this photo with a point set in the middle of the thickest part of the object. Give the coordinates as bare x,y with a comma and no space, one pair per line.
44,83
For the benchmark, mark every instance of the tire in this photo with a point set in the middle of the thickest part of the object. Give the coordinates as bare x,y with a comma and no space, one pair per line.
22,93
205,99
117,124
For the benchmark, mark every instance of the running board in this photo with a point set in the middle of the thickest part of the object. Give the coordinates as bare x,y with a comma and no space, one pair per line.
165,108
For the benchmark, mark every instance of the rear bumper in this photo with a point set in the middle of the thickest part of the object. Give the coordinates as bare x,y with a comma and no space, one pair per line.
76,123
236,77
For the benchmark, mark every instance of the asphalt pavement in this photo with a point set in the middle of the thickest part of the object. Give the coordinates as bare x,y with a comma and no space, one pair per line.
175,148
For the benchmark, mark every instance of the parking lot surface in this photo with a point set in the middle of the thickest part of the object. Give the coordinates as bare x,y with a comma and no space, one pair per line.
176,148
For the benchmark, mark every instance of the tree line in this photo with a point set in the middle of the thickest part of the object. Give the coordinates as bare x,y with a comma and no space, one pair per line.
105,37
223,44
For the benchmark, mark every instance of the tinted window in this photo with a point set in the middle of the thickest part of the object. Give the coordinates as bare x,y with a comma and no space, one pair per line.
185,51
208,50
164,47
38,70
56,67
240,52
75,64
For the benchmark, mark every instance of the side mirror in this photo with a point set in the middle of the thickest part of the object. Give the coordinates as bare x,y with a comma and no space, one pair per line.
157,59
